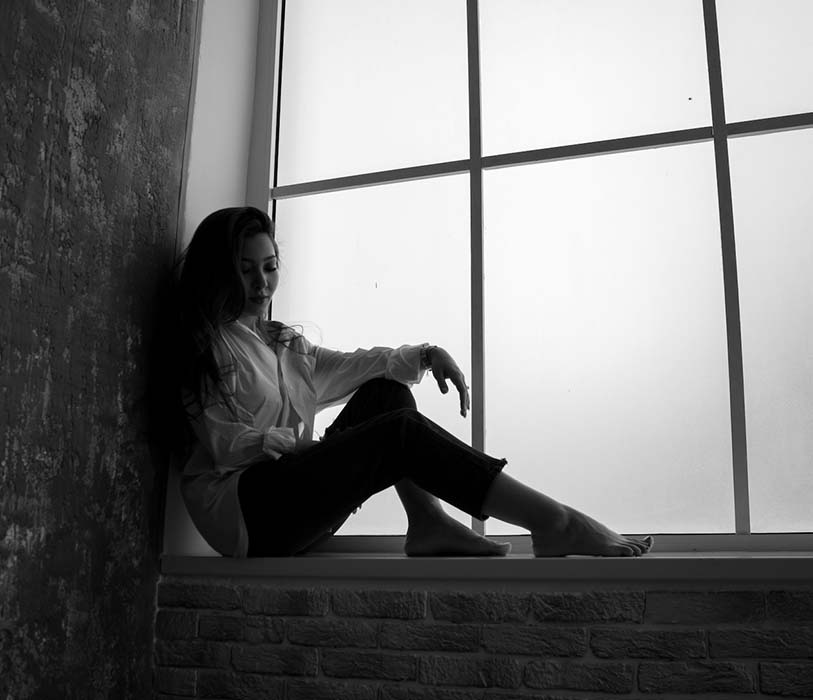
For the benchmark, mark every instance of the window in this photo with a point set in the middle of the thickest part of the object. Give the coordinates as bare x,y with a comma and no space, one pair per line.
600,208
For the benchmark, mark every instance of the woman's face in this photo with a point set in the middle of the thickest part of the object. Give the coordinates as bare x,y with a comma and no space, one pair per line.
260,275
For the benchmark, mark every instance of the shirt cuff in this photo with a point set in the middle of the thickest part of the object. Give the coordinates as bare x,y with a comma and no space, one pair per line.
279,441
404,365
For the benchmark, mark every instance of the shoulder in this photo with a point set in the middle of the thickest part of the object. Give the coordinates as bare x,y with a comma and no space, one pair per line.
292,339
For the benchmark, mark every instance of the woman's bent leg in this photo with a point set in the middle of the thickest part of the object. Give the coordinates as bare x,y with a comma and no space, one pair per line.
556,529
296,499
290,502
431,531
372,399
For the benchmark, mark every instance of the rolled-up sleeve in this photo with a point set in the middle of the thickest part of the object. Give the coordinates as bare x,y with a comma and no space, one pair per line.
232,441
338,374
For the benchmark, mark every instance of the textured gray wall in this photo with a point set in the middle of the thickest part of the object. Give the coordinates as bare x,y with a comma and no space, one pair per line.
93,110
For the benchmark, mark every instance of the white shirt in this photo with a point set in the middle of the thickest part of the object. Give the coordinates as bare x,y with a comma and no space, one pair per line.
276,395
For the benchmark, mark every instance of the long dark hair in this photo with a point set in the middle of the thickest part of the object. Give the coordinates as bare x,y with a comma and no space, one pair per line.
210,295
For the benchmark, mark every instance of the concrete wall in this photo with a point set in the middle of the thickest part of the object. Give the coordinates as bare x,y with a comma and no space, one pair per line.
93,120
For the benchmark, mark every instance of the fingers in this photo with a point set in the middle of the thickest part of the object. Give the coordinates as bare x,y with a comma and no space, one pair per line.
443,368
460,382
442,385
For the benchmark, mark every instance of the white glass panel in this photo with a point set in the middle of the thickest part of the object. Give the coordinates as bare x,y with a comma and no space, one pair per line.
773,217
571,71
372,85
767,57
606,370
385,265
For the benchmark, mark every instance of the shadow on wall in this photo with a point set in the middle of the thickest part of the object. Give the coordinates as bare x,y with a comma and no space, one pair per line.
168,433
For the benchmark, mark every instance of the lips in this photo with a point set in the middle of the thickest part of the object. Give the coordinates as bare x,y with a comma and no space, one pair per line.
258,300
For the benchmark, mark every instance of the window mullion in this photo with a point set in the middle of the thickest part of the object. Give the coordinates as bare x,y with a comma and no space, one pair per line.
768,125
279,43
742,517
597,148
476,222
262,120
381,177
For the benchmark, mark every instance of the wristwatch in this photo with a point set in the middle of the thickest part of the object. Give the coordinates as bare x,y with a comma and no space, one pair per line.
426,360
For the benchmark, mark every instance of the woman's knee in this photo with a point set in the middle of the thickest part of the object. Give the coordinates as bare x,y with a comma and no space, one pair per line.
388,394
407,417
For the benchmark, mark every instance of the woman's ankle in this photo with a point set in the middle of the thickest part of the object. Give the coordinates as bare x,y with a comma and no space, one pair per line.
557,519
513,502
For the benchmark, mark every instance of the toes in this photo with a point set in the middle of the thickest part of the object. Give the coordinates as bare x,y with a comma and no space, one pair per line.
630,544
644,545
501,548
624,551
492,548
639,547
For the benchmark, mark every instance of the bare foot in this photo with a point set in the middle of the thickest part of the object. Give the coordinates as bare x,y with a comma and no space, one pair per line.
443,536
580,534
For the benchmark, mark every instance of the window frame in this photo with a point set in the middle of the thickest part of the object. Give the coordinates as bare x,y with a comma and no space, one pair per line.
263,151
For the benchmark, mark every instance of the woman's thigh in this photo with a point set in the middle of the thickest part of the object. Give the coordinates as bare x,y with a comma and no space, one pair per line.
371,399
289,503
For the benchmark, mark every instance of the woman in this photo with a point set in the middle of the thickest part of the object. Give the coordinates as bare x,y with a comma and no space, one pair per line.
257,484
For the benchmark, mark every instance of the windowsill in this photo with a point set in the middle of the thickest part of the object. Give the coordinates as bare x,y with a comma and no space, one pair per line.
336,567
350,560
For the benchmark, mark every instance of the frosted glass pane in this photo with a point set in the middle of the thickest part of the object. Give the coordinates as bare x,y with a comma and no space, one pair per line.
383,265
571,71
767,57
773,218
372,85
606,370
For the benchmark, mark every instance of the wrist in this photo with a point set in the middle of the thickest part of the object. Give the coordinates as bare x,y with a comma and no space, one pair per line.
426,355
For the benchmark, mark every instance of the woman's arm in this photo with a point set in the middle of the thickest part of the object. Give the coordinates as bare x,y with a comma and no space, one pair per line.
232,440
338,374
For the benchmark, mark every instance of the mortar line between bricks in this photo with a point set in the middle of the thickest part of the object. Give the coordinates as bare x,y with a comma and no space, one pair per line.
588,638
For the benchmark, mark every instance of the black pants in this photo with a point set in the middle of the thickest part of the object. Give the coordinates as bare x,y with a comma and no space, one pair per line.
378,439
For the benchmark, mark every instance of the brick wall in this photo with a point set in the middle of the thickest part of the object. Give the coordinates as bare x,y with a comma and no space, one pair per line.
252,640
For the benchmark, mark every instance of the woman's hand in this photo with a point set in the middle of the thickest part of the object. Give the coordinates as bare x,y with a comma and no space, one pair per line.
304,444
444,367
303,441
